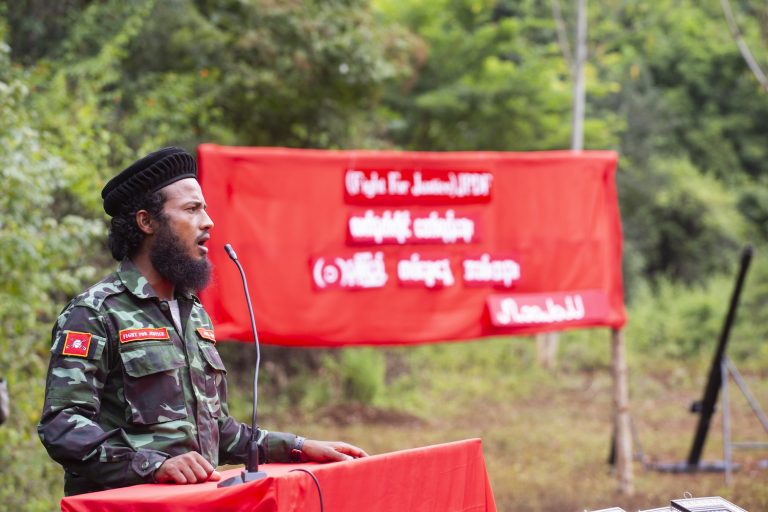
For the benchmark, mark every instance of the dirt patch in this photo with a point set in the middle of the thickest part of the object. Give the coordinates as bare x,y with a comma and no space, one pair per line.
356,413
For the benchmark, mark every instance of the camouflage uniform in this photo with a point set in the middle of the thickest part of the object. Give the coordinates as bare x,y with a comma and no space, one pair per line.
125,390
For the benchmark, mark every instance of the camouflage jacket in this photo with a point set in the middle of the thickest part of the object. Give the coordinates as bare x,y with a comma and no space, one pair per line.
125,390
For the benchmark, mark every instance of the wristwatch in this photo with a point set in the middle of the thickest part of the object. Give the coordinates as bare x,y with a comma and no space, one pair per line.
297,447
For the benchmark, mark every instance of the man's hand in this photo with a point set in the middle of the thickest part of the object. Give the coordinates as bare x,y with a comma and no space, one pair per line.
188,468
329,451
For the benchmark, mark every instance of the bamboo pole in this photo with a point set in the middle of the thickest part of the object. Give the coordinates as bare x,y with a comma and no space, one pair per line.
547,343
546,348
622,425
579,87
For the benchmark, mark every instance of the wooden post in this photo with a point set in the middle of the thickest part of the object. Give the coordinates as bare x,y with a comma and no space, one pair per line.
546,348
622,426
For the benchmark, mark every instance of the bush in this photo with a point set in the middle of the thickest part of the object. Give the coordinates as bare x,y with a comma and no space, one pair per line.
42,241
680,321
362,374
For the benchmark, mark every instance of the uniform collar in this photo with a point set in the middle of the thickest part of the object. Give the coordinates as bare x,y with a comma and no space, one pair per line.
135,282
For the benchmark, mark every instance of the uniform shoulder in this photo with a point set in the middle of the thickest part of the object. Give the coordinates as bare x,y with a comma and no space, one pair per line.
83,312
95,295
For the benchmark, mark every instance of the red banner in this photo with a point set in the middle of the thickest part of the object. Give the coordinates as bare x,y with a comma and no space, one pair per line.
384,247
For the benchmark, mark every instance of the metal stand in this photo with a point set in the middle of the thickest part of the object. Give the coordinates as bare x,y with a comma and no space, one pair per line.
251,471
717,383
728,368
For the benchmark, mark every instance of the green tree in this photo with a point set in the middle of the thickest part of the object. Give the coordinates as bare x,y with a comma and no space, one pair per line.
42,241
302,74
691,150
488,75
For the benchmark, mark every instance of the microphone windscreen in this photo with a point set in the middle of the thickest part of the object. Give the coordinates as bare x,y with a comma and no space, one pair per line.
230,252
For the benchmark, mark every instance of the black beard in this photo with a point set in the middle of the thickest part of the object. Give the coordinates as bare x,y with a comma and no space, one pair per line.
169,257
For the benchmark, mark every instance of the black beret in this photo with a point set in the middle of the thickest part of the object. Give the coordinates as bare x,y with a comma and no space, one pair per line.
147,175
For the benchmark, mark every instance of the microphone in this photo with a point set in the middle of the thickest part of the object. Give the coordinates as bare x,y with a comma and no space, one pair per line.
232,254
251,471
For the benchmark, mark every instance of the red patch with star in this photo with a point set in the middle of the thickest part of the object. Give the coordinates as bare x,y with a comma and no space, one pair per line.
145,333
77,344
206,334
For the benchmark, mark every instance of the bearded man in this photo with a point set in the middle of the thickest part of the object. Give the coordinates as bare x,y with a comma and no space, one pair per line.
136,390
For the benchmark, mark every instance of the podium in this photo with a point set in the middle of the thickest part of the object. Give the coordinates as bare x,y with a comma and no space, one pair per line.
449,477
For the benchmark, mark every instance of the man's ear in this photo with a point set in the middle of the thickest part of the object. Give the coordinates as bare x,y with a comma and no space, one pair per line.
144,221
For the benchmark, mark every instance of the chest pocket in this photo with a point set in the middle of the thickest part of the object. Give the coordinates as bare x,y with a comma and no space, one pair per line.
152,383
214,377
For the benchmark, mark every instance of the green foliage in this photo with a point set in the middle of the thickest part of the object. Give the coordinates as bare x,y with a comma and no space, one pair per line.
37,26
445,376
750,330
753,205
86,86
685,225
674,321
478,82
305,74
678,321
362,374
40,230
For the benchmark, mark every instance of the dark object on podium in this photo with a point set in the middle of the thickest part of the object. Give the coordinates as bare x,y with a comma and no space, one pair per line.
251,471
714,504
704,505
706,407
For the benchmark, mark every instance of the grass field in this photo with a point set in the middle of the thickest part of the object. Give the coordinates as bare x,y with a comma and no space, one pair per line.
546,435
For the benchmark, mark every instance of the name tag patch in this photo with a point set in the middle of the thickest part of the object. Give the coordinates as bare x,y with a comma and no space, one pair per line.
206,334
146,333
77,344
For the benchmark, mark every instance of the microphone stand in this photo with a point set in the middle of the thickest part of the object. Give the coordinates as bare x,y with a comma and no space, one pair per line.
251,471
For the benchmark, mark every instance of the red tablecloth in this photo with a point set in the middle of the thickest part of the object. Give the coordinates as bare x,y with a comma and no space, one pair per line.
442,478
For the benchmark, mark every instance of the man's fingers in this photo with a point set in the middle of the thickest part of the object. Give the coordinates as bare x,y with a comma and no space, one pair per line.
334,455
354,451
195,467
176,476
188,468
203,462
199,472
330,451
214,477
189,474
